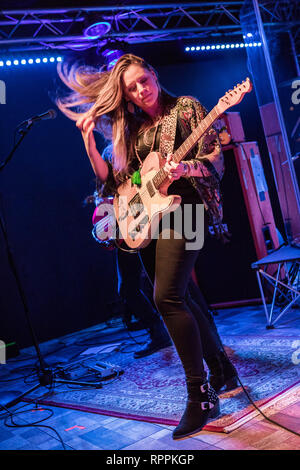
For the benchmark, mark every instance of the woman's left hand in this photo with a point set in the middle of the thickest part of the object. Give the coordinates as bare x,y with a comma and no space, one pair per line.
174,170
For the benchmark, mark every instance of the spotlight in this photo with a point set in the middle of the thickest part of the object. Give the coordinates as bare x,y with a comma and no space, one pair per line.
37,61
45,59
8,62
249,35
96,30
1,63
16,62
23,61
30,61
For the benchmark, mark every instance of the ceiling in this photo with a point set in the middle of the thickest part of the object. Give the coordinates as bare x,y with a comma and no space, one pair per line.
58,26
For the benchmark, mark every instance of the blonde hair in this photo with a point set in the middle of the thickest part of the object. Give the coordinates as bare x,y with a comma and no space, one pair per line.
100,94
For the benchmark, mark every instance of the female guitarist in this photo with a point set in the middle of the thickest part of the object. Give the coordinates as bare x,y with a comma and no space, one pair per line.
129,107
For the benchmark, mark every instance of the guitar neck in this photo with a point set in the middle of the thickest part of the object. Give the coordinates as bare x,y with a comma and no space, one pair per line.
188,144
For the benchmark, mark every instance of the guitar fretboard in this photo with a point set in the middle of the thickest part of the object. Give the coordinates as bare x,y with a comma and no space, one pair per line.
188,145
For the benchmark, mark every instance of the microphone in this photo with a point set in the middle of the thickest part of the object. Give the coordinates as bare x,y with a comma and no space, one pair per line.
50,114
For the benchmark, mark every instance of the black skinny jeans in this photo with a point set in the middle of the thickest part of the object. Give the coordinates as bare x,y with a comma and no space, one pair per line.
169,266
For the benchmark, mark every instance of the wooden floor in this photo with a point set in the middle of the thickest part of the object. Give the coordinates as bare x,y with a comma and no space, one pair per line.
87,431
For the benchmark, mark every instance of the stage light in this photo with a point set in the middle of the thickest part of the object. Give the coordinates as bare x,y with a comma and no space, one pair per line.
23,61
1,63
97,30
52,59
30,61
38,60
8,62
212,47
249,35
45,60
16,62
59,59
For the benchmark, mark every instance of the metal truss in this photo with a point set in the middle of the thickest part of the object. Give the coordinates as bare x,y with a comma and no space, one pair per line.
62,28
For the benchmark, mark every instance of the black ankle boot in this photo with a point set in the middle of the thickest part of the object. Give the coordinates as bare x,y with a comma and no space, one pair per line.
202,404
222,372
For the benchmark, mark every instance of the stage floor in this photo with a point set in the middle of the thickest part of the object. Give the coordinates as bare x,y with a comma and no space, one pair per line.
81,430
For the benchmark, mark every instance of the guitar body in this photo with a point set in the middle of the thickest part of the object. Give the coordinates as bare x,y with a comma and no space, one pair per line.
139,209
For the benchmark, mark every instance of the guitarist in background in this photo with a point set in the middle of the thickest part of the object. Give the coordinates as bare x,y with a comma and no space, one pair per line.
129,107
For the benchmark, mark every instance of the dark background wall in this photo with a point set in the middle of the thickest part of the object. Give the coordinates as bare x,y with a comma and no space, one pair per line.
68,280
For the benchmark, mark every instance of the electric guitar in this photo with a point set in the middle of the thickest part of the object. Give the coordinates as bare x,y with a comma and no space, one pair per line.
139,208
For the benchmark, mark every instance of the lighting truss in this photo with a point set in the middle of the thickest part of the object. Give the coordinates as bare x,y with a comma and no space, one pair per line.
62,28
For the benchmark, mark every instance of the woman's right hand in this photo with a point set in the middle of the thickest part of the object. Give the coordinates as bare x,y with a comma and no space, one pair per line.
86,125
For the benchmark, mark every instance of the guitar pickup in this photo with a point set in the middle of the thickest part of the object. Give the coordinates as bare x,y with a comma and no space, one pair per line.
150,189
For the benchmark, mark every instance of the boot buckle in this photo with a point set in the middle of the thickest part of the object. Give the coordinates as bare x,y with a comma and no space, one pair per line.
206,405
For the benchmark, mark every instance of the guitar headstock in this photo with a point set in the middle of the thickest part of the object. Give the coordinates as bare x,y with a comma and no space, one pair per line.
235,96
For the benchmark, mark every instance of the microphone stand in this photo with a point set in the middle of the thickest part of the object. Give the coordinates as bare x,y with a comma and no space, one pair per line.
45,374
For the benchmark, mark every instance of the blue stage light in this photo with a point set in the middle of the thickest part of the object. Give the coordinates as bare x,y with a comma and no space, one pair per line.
8,62
45,60
16,62
1,63
222,46
97,30
23,61
30,61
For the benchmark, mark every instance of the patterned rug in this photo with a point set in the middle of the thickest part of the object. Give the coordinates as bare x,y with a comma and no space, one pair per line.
153,389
